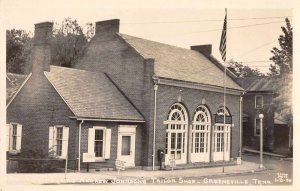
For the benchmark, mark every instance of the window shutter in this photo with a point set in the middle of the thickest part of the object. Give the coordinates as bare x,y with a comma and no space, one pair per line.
65,142
91,140
107,143
52,138
19,138
8,137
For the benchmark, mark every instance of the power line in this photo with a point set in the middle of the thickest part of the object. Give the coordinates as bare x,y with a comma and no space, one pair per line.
242,26
206,20
256,48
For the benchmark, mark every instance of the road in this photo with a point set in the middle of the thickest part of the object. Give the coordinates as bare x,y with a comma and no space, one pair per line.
280,172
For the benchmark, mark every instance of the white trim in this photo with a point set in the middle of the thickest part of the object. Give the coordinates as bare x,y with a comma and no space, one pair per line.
194,85
262,102
10,101
113,120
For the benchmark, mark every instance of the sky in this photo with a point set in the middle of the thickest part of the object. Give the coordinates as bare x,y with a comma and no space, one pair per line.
180,25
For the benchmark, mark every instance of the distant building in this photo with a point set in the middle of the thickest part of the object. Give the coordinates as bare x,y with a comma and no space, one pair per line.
122,92
260,93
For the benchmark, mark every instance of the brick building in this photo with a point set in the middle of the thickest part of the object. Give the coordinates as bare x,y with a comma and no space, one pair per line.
259,96
126,99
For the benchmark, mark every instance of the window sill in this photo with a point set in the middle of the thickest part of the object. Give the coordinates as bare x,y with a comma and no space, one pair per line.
13,152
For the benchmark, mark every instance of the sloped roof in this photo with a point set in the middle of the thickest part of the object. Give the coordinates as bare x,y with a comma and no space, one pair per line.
179,63
258,83
13,83
91,95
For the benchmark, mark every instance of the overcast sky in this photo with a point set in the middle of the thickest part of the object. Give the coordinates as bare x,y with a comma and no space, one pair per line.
174,24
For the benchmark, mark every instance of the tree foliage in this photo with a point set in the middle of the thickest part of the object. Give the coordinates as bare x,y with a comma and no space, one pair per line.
282,69
283,56
243,71
69,42
18,46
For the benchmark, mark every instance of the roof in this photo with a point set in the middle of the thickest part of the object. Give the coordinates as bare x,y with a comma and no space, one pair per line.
13,84
279,120
91,95
179,63
258,83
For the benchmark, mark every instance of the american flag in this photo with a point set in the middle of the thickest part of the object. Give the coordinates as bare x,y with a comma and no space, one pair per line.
222,47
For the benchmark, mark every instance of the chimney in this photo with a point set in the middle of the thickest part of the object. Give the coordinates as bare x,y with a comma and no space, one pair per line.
108,27
204,49
41,52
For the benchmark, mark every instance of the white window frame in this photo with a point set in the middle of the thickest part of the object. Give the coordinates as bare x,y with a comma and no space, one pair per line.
9,137
53,141
262,101
106,142
255,129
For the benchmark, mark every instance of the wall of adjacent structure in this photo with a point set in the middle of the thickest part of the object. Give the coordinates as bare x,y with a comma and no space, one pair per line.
249,139
37,107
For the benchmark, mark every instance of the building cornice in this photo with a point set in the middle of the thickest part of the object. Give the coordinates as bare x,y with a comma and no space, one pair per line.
198,86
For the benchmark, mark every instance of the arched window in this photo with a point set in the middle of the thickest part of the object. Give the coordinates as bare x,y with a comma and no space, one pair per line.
201,135
176,133
221,135
221,111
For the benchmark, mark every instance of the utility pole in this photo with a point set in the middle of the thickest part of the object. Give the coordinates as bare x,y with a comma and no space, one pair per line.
261,116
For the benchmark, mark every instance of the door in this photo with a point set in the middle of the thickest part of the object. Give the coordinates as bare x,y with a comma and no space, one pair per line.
221,142
126,145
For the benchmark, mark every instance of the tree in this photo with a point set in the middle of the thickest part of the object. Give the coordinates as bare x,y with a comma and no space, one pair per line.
18,46
69,42
282,69
243,71
283,56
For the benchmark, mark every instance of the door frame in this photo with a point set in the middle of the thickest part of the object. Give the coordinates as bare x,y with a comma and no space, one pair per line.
127,130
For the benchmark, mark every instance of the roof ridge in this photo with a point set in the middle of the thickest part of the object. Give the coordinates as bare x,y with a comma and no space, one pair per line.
174,46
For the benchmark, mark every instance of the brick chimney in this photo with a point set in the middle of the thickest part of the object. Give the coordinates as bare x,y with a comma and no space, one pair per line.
41,52
204,49
108,27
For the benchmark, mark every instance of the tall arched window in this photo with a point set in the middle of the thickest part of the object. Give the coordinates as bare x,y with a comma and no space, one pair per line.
176,134
201,135
221,136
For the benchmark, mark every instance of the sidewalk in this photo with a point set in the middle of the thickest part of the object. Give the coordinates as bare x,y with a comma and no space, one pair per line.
133,175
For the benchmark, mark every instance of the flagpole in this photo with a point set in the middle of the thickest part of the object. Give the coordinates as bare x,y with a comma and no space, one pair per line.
224,109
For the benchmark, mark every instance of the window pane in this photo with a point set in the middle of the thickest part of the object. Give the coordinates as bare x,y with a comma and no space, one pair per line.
59,136
259,101
98,148
257,127
98,135
126,145
98,143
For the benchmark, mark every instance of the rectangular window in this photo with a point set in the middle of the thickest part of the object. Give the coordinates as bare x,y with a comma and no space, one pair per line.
259,101
98,143
257,127
59,141
126,145
13,136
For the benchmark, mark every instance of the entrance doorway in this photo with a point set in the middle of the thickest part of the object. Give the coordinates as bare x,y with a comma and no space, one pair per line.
176,135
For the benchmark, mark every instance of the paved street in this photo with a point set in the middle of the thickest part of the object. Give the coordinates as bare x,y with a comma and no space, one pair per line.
277,172
280,172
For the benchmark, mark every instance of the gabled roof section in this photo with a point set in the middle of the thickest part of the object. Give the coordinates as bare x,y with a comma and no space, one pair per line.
177,63
259,84
14,83
91,95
